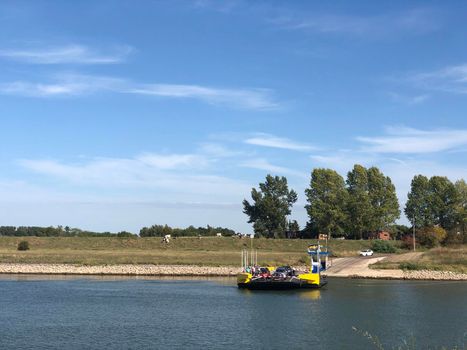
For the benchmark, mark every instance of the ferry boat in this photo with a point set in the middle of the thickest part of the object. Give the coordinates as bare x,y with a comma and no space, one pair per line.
255,277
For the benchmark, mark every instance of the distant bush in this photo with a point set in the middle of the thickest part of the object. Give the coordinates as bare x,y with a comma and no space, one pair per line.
126,234
430,236
383,247
408,266
23,245
407,242
455,237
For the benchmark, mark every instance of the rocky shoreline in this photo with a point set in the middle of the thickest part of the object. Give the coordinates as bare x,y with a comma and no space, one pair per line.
123,270
207,271
425,275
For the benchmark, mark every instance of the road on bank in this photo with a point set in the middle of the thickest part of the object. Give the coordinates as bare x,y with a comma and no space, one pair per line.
359,267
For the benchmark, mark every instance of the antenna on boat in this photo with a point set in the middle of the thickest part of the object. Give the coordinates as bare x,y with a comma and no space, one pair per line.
249,257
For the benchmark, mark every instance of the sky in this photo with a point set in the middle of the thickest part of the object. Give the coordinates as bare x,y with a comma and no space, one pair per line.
116,115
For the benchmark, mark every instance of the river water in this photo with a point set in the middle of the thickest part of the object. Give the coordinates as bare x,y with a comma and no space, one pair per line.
126,313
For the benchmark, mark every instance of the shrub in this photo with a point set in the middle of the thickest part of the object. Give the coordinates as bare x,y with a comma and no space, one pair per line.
408,266
430,236
126,234
383,247
407,242
23,245
455,237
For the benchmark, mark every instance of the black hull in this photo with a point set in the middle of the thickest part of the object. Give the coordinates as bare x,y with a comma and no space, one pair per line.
279,285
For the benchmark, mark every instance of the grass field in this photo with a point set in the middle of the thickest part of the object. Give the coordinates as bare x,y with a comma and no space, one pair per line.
211,251
439,259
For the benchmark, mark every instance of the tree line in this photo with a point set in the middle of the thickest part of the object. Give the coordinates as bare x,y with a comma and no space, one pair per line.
363,203
162,230
59,231
152,231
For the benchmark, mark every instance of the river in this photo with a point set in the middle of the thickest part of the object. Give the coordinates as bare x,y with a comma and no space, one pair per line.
142,313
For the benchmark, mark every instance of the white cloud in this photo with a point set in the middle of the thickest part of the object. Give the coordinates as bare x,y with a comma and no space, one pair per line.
69,54
413,22
268,140
409,99
64,85
342,161
224,6
173,161
175,175
217,150
263,164
77,84
451,79
412,141
258,99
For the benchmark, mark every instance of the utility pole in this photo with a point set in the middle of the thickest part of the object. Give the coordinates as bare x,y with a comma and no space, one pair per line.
413,232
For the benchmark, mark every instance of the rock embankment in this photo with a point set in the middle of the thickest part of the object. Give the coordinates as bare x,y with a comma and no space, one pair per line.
435,275
354,270
130,270
357,267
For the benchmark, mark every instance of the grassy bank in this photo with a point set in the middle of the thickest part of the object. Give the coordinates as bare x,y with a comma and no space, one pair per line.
437,259
211,251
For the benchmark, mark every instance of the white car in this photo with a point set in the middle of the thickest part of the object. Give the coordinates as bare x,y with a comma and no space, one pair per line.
366,252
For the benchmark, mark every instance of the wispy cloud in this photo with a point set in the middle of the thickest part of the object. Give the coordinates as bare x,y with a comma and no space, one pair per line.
244,98
342,160
76,84
412,21
448,79
263,164
408,99
218,150
412,141
64,85
173,174
224,6
267,140
173,161
69,54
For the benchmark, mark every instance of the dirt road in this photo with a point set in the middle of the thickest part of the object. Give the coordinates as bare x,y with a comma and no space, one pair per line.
358,267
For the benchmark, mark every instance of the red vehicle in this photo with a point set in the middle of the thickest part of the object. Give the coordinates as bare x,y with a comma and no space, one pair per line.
264,272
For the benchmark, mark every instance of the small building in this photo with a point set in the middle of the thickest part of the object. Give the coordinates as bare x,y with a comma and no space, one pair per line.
382,235
219,234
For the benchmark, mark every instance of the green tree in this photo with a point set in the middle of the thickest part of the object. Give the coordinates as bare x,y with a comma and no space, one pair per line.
271,205
327,198
461,207
443,201
359,211
417,208
431,236
383,200
293,229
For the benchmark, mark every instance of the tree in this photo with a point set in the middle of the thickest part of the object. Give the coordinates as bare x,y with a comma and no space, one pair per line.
461,207
443,201
327,198
417,207
383,200
358,205
293,229
271,205
431,236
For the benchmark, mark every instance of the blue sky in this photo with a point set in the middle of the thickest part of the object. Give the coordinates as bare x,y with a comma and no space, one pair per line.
116,115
